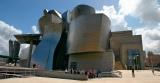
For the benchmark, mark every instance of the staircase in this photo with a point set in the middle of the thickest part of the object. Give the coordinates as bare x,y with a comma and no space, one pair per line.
119,66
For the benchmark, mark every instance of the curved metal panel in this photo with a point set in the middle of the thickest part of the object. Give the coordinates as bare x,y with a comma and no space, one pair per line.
82,10
89,33
44,52
103,61
49,19
51,28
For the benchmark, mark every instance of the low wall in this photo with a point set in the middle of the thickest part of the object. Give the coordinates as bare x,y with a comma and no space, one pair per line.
61,74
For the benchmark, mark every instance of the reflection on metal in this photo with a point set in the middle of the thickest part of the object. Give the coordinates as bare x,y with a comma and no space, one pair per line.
88,32
82,10
51,27
88,40
50,22
80,32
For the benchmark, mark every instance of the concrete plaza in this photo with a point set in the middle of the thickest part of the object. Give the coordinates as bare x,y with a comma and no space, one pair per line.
141,76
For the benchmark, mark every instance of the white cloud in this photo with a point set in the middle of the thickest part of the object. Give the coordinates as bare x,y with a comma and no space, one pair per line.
145,10
24,51
6,32
148,11
3,46
128,6
35,29
150,37
118,22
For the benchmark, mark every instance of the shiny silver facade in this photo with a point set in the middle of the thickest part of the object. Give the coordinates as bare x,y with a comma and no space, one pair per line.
82,10
51,28
51,22
88,32
88,40
102,61
82,35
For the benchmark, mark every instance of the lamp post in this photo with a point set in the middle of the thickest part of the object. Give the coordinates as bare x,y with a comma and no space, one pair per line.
152,63
137,64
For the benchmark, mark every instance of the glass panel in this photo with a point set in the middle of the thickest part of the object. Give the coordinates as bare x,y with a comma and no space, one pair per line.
133,58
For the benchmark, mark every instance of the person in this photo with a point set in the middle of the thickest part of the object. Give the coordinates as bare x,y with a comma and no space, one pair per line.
153,70
66,70
34,65
133,75
71,71
98,72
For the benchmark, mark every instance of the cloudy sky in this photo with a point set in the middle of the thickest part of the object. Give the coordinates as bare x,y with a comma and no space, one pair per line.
141,16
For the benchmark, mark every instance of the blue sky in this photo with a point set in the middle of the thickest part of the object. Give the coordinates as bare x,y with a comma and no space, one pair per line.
141,16
23,14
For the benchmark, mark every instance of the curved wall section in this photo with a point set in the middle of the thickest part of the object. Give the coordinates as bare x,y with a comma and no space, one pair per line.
89,33
82,10
44,53
49,23
51,27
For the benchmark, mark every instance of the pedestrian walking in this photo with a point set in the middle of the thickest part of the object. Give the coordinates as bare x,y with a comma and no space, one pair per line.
133,74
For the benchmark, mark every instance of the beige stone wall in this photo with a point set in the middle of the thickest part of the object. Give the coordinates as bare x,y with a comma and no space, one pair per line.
152,59
122,33
122,41
124,51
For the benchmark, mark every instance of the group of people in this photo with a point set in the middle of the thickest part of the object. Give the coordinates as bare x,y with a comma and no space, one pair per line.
92,73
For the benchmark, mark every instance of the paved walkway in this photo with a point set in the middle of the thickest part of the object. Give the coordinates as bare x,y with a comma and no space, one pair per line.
144,76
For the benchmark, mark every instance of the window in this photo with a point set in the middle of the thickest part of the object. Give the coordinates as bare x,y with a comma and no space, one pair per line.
134,58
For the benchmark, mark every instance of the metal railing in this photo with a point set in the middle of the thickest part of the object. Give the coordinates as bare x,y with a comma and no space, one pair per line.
10,72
